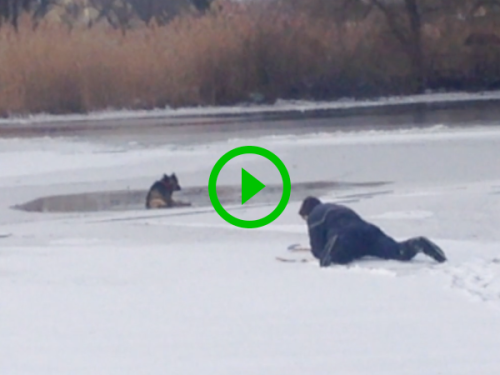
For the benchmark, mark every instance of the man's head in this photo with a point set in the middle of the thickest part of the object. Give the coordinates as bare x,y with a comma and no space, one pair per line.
171,182
307,206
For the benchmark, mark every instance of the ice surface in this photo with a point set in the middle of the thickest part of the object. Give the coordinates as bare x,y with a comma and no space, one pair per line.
152,293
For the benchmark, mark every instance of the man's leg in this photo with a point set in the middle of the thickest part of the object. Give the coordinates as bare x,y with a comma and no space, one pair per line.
426,246
383,246
387,248
368,240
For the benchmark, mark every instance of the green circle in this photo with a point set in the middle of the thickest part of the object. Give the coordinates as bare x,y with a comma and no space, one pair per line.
212,186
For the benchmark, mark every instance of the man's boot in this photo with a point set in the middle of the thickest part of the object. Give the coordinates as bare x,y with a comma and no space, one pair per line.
413,246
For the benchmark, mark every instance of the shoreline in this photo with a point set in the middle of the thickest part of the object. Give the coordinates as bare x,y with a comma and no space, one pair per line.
45,124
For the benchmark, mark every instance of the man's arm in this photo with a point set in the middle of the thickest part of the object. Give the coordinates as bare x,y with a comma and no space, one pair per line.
317,240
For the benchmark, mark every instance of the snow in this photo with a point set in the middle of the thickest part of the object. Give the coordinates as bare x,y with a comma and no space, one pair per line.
138,292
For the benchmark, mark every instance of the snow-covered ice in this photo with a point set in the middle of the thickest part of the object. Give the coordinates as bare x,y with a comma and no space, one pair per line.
132,292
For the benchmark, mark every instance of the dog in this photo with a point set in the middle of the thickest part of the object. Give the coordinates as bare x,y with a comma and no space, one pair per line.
160,193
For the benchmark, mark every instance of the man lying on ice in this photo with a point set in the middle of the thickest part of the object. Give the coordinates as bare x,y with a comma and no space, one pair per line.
339,235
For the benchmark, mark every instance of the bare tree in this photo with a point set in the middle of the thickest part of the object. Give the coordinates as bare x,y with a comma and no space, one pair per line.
338,10
118,13
163,11
10,10
404,19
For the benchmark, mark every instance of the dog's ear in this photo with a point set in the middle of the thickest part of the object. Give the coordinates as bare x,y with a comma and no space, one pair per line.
173,176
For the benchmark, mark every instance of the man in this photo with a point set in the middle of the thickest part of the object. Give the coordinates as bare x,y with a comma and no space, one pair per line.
339,235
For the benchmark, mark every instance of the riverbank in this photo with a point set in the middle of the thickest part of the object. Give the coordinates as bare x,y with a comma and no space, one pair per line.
239,53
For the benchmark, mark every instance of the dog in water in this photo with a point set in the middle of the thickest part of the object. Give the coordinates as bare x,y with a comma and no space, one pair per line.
160,193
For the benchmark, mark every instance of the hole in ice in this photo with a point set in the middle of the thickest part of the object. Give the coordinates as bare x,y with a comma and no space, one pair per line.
123,200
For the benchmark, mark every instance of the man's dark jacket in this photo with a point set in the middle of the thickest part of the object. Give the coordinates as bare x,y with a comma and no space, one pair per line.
342,235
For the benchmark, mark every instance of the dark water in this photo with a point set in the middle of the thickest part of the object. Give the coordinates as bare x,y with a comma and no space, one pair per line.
202,129
198,197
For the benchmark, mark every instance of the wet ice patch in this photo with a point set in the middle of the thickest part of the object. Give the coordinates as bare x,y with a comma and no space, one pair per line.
402,136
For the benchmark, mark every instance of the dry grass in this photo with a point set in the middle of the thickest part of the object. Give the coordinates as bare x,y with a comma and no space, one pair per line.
222,58
453,65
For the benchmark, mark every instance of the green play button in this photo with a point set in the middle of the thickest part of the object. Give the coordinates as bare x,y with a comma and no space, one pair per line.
250,186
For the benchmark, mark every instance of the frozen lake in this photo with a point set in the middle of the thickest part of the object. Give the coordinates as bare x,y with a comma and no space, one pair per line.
180,291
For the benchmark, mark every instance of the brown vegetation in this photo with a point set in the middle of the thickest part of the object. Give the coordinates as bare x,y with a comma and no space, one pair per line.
305,49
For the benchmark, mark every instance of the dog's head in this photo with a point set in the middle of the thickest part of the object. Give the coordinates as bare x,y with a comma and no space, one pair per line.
171,182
